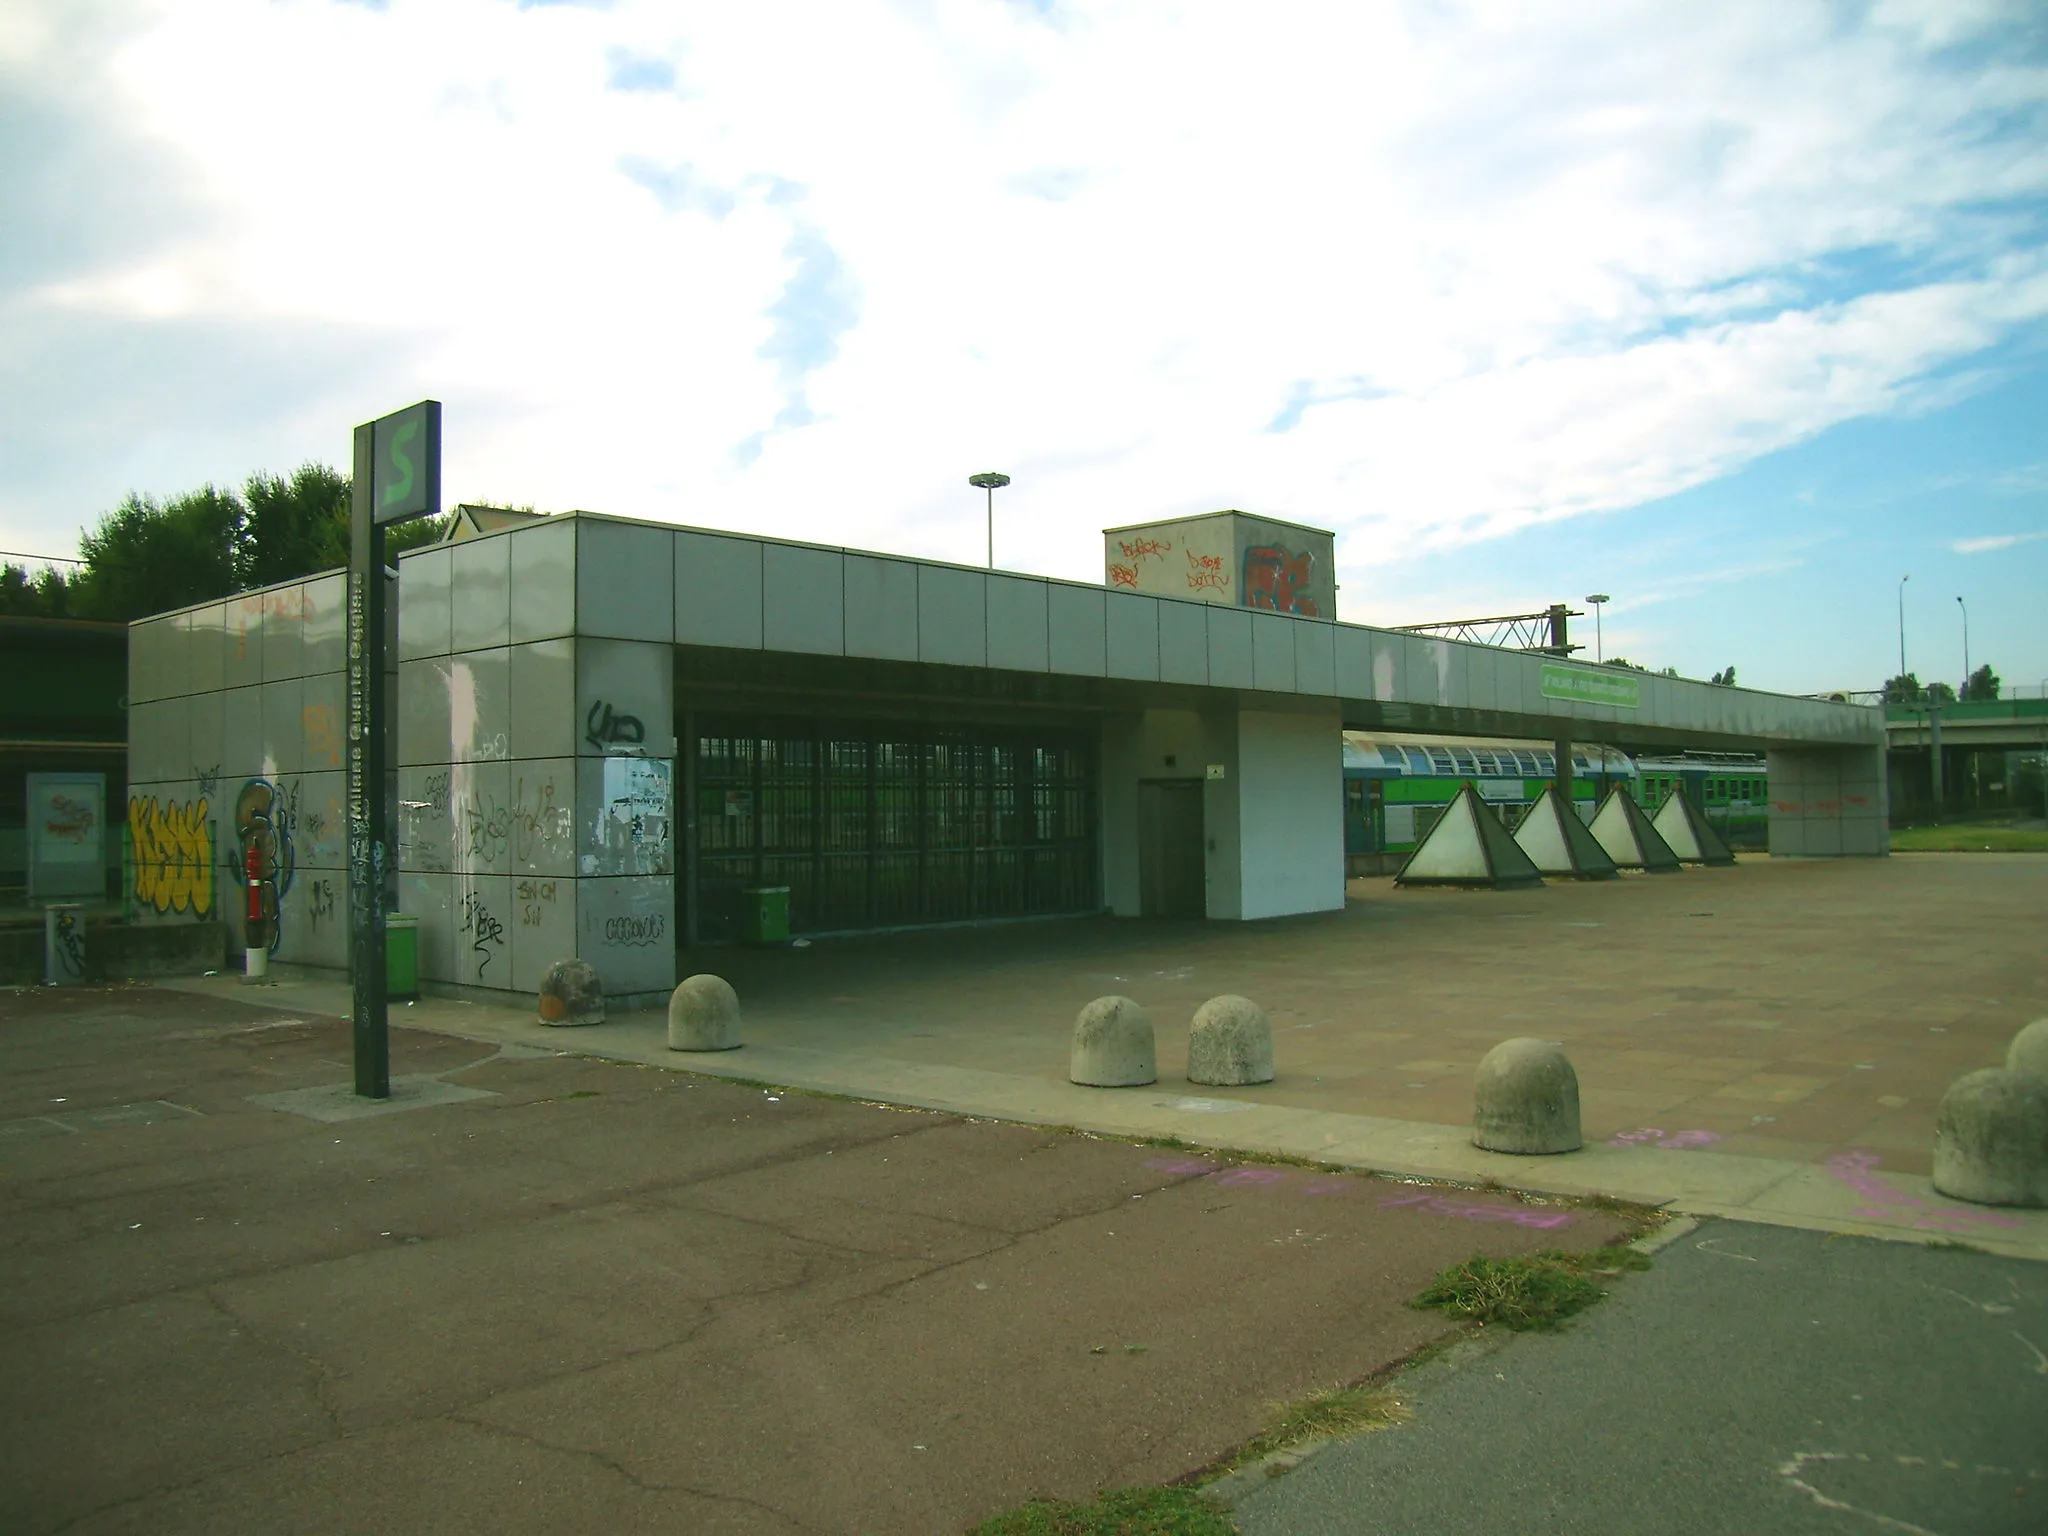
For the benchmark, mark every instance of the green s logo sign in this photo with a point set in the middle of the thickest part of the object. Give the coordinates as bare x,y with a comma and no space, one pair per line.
401,485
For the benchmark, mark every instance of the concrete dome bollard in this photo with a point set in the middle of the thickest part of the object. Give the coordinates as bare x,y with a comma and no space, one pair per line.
704,1015
1991,1138
1525,1098
1230,1044
2028,1052
1113,1045
570,993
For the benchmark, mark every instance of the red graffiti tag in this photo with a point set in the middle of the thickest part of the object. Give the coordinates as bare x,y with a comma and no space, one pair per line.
1277,580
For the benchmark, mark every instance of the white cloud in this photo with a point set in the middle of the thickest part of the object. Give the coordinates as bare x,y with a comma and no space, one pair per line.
1530,264
1995,542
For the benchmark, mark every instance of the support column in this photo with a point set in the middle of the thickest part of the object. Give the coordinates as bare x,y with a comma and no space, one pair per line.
1828,802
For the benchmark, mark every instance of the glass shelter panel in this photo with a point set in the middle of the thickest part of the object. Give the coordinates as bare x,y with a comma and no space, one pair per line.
874,825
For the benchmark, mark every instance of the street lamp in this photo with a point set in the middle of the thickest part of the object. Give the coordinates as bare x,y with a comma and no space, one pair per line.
1599,645
1902,622
989,483
1966,646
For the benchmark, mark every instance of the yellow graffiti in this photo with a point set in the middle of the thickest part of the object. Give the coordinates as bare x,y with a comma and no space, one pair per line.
173,855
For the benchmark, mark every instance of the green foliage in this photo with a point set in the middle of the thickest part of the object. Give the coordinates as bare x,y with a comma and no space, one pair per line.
46,595
1320,1416
295,526
1981,687
1536,1292
1938,693
1904,689
1725,679
145,557
1124,1512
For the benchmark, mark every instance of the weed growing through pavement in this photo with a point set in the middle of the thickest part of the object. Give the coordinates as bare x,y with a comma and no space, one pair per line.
1533,1293
1124,1512
1319,1416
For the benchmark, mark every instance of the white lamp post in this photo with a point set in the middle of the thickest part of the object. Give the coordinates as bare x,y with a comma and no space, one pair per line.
990,483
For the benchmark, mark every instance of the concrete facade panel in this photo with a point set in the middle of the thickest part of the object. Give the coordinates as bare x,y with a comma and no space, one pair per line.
425,823
480,819
206,738
543,928
155,659
718,592
1077,630
625,698
543,699
324,629
158,733
1315,658
425,604
1482,676
543,566
1017,624
626,928
1230,648
480,600
1184,642
952,616
1133,636
241,737
242,657
543,817
483,949
1351,656
323,723
617,833
320,820
422,711
284,632
205,658
430,898
625,581
803,595
284,728
881,608
1290,795
479,706
1273,653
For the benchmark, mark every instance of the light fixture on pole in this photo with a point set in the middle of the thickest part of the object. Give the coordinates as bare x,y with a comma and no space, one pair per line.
1902,622
1966,646
990,483
1599,645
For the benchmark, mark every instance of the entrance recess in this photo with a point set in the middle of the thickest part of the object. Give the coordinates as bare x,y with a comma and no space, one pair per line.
1171,867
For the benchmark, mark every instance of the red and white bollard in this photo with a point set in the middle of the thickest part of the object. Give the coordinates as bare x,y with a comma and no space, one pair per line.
256,946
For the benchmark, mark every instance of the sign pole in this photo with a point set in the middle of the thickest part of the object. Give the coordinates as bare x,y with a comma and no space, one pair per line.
397,478
368,814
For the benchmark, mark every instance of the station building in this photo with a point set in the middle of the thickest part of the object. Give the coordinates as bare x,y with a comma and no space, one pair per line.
611,733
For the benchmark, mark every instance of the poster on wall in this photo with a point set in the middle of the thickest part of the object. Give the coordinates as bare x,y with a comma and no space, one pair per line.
67,836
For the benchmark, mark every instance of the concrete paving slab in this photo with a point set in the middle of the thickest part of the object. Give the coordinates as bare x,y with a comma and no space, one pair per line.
603,1297
338,1103
1730,1027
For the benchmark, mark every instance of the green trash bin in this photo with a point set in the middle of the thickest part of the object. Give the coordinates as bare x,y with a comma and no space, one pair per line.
766,914
401,956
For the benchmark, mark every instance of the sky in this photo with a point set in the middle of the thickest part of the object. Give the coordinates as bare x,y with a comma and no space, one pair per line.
1737,313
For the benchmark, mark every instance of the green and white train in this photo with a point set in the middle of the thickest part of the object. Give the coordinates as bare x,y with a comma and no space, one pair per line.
1395,787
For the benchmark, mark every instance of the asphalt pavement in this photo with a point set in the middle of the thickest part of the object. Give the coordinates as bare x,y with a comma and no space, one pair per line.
1759,1381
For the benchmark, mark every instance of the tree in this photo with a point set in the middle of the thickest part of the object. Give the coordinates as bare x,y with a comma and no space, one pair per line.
1725,679
1939,693
1981,687
145,557
46,595
294,527
1903,689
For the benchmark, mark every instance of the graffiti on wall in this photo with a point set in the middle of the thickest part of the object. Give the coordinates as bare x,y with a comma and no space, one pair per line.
173,854
1206,573
265,817
69,946
1280,581
322,735
605,729
486,932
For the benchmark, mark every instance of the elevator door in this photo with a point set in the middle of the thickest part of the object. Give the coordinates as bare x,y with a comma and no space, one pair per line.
1170,857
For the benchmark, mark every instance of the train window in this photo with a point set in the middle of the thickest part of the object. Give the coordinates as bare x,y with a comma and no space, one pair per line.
1418,760
1546,763
1461,759
1391,755
1526,761
1440,759
1485,763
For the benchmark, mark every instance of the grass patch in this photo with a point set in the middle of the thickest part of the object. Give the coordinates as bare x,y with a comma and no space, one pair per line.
1533,1293
1964,838
1955,1245
1319,1416
1123,1512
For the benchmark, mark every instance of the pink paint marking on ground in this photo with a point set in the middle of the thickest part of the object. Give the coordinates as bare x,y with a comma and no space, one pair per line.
1672,1141
1857,1170
1542,1221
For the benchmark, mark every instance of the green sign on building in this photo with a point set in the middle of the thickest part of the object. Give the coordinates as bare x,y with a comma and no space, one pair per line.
1589,685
